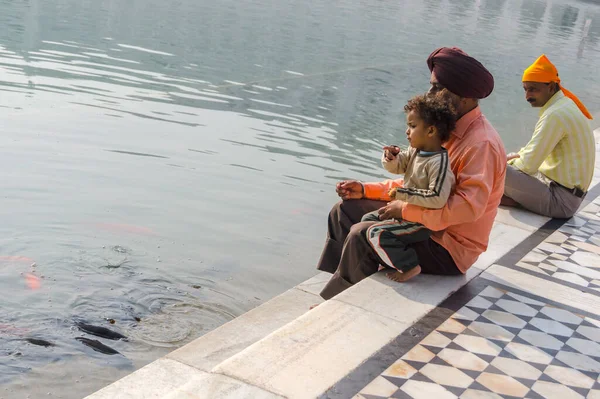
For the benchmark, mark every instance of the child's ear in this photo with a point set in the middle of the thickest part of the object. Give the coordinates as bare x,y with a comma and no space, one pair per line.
431,131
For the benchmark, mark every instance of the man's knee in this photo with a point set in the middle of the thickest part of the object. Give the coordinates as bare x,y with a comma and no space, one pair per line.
358,231
512,179
335,210
342,208
561,211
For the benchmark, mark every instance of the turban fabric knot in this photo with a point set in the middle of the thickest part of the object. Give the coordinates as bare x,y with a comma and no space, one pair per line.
460,73
543,71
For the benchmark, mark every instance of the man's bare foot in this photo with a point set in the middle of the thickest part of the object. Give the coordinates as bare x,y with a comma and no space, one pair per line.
402,277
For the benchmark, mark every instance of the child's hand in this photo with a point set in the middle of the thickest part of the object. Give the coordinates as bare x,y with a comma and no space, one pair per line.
390,152
393,210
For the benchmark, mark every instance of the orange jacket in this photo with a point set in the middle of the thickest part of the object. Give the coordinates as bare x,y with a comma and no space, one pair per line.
478,160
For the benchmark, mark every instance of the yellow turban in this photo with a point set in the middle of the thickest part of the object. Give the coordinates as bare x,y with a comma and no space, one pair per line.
543,71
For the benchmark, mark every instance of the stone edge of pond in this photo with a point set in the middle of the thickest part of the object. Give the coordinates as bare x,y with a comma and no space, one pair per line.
283,349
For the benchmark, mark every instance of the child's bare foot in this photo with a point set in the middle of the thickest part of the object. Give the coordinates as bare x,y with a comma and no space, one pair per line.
402,277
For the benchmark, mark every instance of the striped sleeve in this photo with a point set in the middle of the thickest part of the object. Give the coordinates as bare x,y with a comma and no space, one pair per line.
548,132
441,181
399,163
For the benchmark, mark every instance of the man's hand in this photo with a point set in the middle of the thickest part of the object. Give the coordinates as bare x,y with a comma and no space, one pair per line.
390,152
393,210
511,156
350,189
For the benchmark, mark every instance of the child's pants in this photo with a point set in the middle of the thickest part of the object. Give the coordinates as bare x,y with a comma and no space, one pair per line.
390,239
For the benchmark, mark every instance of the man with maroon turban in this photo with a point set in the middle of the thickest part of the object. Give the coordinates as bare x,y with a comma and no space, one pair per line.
462,227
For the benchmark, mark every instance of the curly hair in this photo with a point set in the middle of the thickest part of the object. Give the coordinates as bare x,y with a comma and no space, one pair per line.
434,111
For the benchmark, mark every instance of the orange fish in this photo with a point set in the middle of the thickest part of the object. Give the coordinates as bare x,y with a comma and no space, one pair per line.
9,329
8,258
33,282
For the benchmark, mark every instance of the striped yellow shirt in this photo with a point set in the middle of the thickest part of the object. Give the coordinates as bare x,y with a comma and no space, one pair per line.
562,146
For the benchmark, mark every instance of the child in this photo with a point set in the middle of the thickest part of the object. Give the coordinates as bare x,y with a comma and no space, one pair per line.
428,182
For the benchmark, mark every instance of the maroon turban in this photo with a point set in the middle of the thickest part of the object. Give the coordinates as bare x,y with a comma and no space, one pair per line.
461,74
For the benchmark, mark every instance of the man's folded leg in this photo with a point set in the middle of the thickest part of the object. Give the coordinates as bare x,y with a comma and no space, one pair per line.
540,195
342,217
358,261
528,191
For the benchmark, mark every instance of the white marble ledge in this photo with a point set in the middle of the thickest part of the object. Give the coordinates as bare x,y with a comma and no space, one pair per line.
543,288
403,302
166,378
410,301
315,284
503,239
520,218
306,357
216,386
206,352
155,380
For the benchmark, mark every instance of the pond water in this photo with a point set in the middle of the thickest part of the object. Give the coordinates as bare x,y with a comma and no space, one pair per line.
170,165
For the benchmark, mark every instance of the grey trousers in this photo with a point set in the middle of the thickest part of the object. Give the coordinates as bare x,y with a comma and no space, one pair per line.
539,194
349,256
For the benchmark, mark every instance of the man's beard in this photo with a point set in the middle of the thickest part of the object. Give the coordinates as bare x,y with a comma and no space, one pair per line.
449,98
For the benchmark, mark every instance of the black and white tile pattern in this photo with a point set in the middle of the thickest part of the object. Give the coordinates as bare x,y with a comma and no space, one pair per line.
572,253
499,345
503,342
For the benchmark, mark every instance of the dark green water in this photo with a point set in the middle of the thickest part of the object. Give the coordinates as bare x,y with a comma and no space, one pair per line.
196,145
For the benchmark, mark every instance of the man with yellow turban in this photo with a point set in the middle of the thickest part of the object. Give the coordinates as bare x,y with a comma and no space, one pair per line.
552,173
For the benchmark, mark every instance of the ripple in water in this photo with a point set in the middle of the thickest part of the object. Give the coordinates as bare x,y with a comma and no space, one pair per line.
176,322
162,329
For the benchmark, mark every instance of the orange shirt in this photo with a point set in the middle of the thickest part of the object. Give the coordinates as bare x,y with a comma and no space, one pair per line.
463,225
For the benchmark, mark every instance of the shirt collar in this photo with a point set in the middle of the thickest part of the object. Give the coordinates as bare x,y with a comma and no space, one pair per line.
553,100
462,125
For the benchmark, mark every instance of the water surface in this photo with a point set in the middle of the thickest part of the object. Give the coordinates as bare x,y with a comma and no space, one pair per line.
174,162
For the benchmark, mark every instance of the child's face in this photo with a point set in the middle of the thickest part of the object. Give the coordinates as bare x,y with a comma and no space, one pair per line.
418,133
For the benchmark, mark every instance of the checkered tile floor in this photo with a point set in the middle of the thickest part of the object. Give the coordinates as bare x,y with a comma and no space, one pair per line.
499,345
572,253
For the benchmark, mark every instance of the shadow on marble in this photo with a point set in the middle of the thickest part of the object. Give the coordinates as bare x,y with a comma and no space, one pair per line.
497,344
406,302
503,239
520,218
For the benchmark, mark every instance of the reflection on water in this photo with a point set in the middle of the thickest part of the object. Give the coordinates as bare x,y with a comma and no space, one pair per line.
563,19
531,17
490,12
168,165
